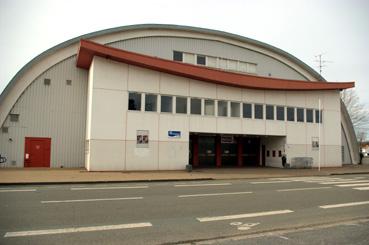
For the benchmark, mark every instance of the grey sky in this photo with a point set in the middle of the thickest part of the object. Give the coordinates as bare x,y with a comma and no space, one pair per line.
337,28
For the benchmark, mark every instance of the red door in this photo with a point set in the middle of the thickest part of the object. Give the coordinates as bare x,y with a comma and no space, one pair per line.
37,152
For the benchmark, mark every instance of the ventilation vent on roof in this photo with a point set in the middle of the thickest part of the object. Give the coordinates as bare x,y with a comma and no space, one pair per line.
69,82
47,81
14,117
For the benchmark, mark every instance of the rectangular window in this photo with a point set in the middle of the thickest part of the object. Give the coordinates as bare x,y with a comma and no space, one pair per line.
209,107
14,117
5,130
309,115
280,153
269,110
280,113
247,110
177,56
195,106
181,105
235,109
201,60
134,101
318,116
166,104
151,102
273,153
291,114
268,154
47,81
222,108
300,115
259,111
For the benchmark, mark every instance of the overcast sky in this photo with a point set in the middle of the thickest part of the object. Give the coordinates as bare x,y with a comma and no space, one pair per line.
339,29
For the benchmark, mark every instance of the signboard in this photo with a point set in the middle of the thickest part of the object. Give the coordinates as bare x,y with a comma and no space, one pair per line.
174,134
315,143
227,139
142,138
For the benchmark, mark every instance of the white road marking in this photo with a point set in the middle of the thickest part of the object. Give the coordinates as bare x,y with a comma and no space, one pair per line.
351,185
17,190
108,188
342,182
94,200
216,194
361,188
272,182
302,189
198,185
241,216
349,204
74,230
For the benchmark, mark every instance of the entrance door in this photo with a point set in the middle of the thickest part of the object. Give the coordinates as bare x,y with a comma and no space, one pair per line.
37,152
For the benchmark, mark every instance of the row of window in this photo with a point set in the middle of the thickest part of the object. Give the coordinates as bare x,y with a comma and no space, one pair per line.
215,62
208,106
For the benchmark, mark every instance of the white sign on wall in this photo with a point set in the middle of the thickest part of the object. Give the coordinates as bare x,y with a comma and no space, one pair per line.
315,143
142,138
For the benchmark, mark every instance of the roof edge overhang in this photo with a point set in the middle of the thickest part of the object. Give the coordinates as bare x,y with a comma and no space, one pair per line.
89,49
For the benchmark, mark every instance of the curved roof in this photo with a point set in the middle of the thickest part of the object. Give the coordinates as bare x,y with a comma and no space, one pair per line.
88,50
156,26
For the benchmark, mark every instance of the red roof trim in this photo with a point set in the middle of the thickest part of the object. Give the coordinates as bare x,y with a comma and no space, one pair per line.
88,50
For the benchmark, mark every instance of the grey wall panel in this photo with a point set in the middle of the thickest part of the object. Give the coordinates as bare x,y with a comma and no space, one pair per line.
163,47
56,111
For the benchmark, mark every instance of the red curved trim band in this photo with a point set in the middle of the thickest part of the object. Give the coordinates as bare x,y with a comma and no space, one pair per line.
88,50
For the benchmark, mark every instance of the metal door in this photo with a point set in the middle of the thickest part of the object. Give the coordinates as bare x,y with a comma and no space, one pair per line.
37,152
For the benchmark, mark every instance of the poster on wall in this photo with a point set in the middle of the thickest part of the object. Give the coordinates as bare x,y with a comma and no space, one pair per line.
142,138
315,143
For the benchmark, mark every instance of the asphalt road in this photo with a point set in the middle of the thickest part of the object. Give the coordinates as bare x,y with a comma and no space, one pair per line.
305,210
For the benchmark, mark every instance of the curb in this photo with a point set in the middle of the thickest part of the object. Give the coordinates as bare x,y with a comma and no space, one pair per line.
101,181
349,173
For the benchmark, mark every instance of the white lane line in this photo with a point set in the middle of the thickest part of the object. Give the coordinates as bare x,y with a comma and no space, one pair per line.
108,188
351,185
303,189
216,194
349,204
271,182
74,230
362,188
17,190
198,185
95,200
241,216
343,182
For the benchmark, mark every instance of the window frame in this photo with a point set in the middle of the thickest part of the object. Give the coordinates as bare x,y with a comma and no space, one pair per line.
156,102
200,57
294,112
195,99
312,115
205,114
283,111
140,101
298,118
262,111
184,99
239,108
266,112
161,103
226,112
177,52
243,110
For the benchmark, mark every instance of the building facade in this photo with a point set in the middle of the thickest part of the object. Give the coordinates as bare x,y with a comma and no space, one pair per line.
159,97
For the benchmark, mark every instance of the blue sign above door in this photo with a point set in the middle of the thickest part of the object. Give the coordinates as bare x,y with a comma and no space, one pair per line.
174,134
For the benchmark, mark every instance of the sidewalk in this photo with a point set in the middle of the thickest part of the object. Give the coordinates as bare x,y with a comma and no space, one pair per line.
53,176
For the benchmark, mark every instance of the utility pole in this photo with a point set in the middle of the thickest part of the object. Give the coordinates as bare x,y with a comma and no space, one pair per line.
321,62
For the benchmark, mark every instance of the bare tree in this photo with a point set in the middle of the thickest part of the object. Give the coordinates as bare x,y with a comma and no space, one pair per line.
357,111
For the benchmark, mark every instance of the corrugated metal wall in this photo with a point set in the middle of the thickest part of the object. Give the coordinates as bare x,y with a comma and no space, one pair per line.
163,47
57,111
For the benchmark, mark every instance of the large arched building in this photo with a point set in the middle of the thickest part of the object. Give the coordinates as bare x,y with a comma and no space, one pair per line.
159,97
